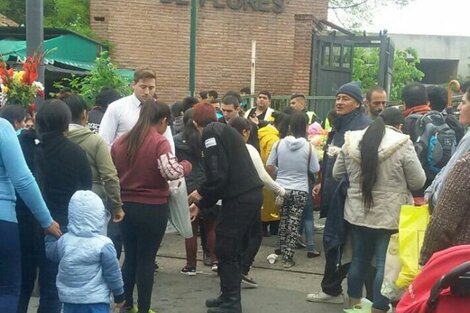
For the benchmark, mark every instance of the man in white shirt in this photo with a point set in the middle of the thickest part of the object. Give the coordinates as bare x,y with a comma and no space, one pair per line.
122,114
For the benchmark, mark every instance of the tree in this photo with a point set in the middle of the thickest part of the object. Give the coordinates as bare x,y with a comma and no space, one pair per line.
70,14
365,69
353,14
103,74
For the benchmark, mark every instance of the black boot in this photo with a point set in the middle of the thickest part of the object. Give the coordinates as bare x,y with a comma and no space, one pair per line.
227,305
214,302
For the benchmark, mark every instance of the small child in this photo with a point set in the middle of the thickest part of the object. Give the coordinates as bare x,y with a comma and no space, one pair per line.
88,268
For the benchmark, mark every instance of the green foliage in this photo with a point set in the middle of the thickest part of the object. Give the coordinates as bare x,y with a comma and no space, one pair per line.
69,14
366,66
14,10
366,69
404,71
103,74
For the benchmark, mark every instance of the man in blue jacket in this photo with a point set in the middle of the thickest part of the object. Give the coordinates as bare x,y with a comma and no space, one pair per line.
349,116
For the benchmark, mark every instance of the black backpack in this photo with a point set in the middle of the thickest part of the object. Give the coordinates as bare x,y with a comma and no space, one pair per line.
434,140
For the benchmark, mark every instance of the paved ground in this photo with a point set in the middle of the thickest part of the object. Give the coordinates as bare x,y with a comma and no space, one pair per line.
280,290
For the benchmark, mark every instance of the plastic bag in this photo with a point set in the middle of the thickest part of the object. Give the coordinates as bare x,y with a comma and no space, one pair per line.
178,206
392,269
413,223
364,306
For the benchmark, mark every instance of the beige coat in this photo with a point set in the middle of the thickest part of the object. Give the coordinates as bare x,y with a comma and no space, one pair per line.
399,171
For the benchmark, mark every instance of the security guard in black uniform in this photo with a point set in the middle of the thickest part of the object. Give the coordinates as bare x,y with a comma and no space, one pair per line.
232,177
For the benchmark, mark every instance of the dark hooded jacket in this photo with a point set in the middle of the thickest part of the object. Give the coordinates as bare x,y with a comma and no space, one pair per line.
184,152
355,120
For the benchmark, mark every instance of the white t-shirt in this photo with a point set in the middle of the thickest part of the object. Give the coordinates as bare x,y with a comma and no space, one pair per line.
121,116
263,175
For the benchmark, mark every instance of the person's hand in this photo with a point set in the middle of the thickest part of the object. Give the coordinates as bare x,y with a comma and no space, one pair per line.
194,197
282,192
120,304
54,229
316,189
118,216
193,211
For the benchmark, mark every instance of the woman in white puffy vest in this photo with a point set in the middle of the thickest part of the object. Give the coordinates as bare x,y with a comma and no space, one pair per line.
382,167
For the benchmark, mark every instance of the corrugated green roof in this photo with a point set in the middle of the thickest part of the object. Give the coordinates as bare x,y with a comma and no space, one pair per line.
69,49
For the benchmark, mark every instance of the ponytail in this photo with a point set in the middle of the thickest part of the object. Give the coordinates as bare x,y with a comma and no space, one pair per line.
369,147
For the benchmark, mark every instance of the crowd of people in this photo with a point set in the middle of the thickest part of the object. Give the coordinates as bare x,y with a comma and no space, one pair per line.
97,182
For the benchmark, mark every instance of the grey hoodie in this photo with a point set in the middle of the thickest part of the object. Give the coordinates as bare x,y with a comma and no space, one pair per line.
290,156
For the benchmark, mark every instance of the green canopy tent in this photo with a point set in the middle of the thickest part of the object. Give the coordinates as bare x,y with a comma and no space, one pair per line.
67,53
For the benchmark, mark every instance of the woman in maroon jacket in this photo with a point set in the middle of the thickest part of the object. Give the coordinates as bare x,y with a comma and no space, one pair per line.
144,163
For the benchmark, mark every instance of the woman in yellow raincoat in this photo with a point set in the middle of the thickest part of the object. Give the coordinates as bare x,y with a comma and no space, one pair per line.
268,136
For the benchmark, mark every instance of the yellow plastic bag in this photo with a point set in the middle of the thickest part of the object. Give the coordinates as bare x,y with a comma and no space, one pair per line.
413,223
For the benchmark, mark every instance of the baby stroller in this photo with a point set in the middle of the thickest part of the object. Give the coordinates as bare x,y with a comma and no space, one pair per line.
443,286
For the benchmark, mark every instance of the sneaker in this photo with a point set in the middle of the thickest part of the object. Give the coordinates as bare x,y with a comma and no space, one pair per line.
322,297
288,263
248,282
206,259
313,254
318,227
215,268
188,270
300,243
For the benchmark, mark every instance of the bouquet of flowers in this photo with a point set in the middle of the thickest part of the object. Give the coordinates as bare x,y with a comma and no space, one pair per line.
318,137
21,87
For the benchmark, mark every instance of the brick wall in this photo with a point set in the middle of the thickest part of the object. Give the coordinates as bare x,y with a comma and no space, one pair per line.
154,34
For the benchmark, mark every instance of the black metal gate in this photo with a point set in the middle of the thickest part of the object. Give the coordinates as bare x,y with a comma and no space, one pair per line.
332,64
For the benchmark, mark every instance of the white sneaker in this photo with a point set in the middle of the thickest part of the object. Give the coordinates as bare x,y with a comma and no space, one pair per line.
318,227
322,297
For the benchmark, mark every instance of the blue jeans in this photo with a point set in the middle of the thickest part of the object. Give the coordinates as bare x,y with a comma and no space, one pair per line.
86,308
367,242
10,266
307,223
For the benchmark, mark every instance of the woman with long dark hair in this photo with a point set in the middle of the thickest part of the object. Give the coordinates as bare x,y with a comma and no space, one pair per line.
295,159
382,167
144,163
188,147
63,168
